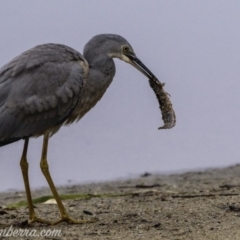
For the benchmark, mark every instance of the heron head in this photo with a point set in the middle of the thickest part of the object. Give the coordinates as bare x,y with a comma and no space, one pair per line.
121,48
115,46
128,55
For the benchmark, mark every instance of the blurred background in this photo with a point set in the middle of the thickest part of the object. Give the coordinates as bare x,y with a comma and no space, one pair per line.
192,46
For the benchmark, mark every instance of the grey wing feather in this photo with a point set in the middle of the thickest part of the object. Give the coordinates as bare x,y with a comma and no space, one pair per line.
38,90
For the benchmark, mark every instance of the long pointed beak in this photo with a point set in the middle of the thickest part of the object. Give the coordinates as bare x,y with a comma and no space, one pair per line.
139,65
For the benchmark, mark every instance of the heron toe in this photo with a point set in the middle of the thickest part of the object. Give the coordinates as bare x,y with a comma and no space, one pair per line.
39,220
74,221
63,219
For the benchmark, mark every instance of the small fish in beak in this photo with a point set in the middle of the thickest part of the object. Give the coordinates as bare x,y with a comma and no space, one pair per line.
165,105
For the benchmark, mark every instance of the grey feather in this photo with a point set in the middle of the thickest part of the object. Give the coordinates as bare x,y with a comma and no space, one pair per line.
39,89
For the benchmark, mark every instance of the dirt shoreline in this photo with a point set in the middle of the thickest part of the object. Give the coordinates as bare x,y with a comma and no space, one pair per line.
193,205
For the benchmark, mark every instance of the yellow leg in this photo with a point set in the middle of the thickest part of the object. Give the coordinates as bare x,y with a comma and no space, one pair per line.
44,167
24,168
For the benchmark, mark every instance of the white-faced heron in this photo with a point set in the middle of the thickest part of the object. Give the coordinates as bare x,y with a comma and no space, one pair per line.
52,85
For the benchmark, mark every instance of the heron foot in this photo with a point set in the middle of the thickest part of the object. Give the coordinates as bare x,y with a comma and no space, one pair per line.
74,221
39,220
63,219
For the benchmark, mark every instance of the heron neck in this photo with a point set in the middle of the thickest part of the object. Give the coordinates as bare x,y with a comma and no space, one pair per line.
101,73
104,65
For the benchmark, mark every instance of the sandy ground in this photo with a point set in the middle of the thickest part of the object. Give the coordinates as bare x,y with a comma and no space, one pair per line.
193,205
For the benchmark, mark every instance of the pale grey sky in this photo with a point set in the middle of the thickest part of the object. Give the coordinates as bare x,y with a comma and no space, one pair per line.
192,46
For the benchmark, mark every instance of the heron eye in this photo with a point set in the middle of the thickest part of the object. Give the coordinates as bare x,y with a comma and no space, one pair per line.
126,49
